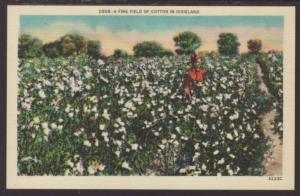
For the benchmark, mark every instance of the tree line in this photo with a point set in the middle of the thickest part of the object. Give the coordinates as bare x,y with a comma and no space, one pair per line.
74,44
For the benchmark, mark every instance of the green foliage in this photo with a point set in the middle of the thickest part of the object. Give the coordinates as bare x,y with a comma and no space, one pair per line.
29,47
93,49
118,53
187,42
228,44
150,49
52,49
271,64
73,45
254,45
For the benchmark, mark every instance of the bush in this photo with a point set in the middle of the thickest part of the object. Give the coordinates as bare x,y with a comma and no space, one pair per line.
29,47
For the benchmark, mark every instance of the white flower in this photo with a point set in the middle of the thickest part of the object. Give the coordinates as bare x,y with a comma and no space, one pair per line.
46,131
173,136
53,126
229,136
234,116
205,144
232,156
45,125
26,158
162,146
87,143
105,136
216,152
203,167
101,127
182,171
256,136
178,129
36,120
105,114
196,155
118,153
42,94
221,161
134,146
125,165
91,170
60,127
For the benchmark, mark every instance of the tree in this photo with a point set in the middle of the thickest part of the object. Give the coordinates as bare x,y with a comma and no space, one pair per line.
29,47
52,49
228,44
93,49
254,45
148,49
73,45
118,53
187,42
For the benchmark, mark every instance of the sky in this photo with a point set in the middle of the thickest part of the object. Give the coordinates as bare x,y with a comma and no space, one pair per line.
123,32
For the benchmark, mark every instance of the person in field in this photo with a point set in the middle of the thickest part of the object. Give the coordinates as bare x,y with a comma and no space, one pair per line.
195,76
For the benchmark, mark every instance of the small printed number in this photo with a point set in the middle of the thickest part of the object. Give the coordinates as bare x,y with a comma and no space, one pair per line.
275,178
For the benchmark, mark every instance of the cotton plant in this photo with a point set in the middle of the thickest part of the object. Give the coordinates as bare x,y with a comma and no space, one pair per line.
120,118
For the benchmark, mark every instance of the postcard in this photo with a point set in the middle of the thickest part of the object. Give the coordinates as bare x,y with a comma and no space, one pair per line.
151,97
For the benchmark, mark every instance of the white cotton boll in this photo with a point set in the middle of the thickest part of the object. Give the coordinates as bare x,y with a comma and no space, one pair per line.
45,125
196,155
46,131
205,144
97,142
173,136
162,146
36,120
87,143
117,153
256,136
91,170
101,127
221,161
71,114
134,146
178,130
216,152
125,165
42,94
196,146
53,126
182,171
229,136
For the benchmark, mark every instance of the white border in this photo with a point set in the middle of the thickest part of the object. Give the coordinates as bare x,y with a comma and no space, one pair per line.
152,182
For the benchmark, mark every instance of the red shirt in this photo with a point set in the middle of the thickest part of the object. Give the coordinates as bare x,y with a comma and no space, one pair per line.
197,76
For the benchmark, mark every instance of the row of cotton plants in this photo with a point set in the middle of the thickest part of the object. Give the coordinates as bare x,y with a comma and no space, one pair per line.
272,67
130,117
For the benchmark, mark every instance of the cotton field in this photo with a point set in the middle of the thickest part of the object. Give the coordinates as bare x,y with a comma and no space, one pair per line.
130,117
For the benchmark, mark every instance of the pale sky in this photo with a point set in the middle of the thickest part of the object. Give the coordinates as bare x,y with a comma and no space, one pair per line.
124,32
